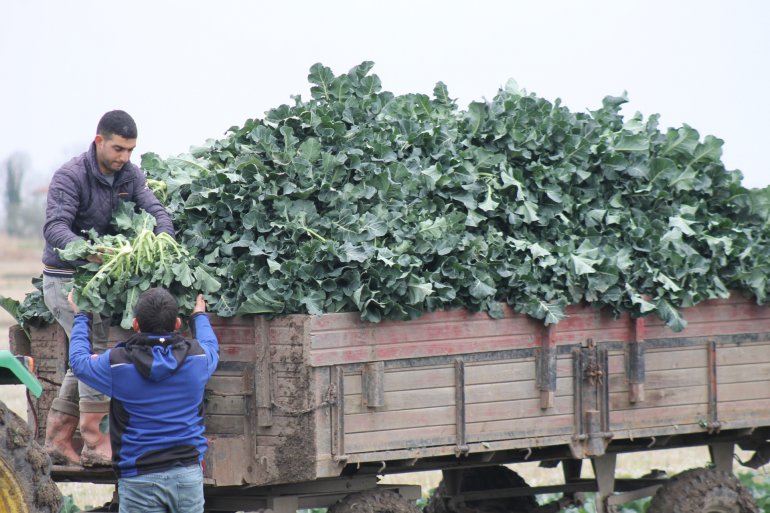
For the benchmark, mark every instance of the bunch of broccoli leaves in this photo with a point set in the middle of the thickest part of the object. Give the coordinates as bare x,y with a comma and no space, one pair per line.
133,260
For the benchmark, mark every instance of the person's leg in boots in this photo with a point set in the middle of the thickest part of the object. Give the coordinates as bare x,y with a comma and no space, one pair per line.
61,423
62,420
96,441
94,408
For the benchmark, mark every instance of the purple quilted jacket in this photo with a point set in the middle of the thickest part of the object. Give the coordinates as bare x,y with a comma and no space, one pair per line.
81,198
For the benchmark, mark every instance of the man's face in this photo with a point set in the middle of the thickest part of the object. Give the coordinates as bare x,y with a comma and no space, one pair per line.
113,152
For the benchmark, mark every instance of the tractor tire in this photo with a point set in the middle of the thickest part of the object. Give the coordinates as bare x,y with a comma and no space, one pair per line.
480,479
373,501
25,469
703,490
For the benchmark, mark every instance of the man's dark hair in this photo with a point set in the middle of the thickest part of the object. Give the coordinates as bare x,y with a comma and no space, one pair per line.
156,311
117,122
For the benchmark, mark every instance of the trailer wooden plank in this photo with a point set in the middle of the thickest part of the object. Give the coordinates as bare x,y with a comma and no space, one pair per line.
286,353
482,446
508,371
350,321
396,351
726,311
407,379
757,411
397,420
735,307
287,386
423,377
424,329
660,398
515,411
282,425
238,353
322,398
227,463
743,354
714,328
403,400
225,424
224,405
664,379
727,392
445,396
229,384
670,416
653,432
288,331
664,359
424,438
747,373
532,428
415,437
235,334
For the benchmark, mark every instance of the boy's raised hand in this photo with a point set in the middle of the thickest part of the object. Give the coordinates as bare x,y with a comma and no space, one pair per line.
200,304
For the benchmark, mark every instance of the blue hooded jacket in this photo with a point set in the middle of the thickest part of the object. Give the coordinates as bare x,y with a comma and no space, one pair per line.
156,383
81,198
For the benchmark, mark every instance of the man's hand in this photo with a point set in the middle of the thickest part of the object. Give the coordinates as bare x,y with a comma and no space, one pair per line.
95,258
200,304
71,301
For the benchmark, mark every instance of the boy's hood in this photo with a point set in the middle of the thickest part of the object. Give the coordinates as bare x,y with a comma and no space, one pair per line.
157,357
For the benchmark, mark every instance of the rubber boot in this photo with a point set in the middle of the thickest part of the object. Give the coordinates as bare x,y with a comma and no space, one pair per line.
96,444
60,426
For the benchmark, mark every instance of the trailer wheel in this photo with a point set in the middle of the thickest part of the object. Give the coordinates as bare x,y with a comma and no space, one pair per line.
703,490
25,480
373,501
480,479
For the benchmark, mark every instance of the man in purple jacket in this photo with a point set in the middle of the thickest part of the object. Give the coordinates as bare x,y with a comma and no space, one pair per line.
82,195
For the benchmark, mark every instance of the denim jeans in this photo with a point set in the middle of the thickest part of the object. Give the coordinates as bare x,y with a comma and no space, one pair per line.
177,490
55,298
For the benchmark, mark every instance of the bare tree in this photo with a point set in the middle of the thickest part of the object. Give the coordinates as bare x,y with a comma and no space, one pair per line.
23,211
15,167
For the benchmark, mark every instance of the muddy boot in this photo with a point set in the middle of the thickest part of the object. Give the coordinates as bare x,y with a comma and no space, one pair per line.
96,443
60,425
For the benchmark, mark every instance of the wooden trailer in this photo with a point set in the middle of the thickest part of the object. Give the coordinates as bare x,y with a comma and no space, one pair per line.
304,410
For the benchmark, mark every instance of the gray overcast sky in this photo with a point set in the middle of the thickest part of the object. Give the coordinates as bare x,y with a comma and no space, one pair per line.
188,70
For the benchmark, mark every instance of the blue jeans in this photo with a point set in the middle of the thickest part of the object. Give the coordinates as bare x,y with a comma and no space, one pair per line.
177,490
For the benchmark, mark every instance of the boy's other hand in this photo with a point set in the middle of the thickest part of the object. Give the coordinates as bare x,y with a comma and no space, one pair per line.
71,301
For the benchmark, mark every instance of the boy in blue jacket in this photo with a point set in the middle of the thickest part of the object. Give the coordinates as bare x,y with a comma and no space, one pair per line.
156,380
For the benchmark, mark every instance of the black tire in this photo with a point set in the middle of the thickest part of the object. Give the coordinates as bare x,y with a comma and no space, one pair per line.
25,469
480,479
703,490
373,501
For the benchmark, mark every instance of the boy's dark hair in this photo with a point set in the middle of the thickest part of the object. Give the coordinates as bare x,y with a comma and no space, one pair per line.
156,311
117,122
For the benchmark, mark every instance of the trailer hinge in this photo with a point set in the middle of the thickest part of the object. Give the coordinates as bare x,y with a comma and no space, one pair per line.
713,425
461,448
591,401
